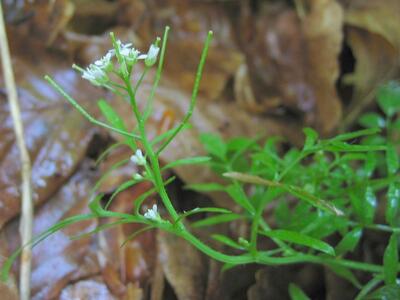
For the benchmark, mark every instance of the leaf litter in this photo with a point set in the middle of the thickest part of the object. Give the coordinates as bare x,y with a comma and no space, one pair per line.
272,76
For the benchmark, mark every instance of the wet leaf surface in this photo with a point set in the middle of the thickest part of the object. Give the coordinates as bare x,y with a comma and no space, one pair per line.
184,267
87,289
375,43
294,63
72,259
269,72
56,135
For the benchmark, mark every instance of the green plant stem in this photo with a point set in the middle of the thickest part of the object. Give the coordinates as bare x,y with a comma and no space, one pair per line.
268,260
368,287
149,104
139,82
256,220
195,92
158,181
379,227
79,108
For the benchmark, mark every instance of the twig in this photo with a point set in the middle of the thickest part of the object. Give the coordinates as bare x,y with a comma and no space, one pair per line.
27,207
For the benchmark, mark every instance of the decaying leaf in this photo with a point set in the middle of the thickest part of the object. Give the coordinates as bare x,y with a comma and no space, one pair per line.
91,289
378,17
56,135
72,259
184,266
373,35
273,283
294,63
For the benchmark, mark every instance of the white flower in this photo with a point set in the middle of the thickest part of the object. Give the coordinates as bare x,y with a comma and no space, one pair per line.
151,56
152,214
130,55
95,75
121,47
105,63
137,176
138,158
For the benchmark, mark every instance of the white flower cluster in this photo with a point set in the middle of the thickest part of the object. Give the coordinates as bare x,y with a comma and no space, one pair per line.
97,73
152,214
138,158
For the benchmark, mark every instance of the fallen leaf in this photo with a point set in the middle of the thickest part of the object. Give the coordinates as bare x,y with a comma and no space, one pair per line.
71,259
56,135
184,266
377,61
294,63
91,289
373,35
273,282
378,17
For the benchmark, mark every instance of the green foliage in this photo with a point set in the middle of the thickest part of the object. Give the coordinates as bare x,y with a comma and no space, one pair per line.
328,188
296,293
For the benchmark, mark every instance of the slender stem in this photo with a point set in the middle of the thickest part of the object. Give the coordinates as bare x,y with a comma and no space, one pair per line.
149,104
195,92
256,221
151,155
79,108
139,82
26,201
369,287
263,258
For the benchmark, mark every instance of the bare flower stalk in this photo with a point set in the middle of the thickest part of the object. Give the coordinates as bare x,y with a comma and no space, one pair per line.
27,207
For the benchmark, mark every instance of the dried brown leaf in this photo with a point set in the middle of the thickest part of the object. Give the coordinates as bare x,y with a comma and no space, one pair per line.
55,133
184,266
58,259
294,63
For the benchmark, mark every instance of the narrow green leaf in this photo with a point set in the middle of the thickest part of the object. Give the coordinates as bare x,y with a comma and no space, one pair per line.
227,241
115,120
239,144
387,292
296,293
311,138
372,120
389,98
187,161
392,159
369,206
346,274
354,134
238,195
300,239
391,260
205,187
370,164
393,204
299,192
110,114
216,220
214,145
349,241
199,210
338,146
